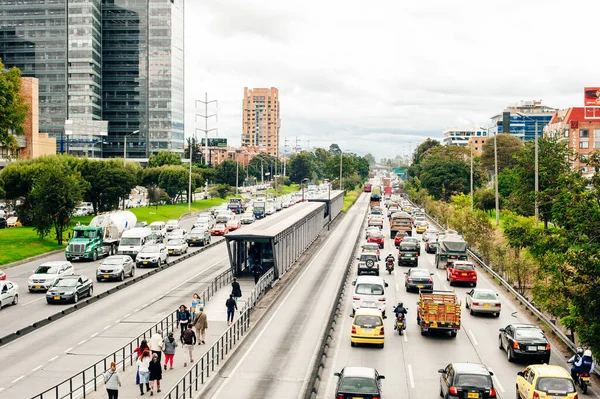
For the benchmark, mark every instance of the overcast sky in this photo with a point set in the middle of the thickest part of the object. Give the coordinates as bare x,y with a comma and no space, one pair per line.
374,76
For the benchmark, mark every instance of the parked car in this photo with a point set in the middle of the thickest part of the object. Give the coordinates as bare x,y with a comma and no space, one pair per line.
152,255
467,380
115,267
70,289
9,293
483,301
48,273
198,237
354,382
524,341
177,246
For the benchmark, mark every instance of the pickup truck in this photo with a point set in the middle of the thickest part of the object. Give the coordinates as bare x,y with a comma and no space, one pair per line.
438,310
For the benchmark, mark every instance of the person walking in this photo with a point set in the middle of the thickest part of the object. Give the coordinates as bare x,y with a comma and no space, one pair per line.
183,318
112,381
156,344
155,373
196,303
139,351
257,271
201,324
231,308
236,290
189,340
169,349
144,373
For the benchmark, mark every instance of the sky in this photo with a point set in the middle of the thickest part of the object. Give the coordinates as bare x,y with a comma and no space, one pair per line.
382,76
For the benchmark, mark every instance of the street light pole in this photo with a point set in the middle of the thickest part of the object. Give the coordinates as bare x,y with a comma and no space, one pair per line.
471,140
191,149
125,146
537,176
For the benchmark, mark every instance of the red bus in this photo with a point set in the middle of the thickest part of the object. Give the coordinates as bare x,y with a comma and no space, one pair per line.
368,187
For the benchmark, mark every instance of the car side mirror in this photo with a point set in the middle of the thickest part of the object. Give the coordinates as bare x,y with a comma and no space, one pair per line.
357,258
385,284
384,317
520,373
336,374
442,371
354,282
431,274
351,315
381,377
501,330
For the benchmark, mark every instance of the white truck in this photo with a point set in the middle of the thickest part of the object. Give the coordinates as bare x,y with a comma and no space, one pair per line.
133,240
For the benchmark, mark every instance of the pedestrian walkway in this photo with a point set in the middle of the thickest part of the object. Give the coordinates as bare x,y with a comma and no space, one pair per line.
217,324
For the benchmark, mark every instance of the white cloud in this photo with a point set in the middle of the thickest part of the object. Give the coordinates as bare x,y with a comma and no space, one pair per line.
375,76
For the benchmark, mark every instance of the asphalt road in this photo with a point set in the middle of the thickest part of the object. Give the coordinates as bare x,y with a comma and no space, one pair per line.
410,362
33,307
276,361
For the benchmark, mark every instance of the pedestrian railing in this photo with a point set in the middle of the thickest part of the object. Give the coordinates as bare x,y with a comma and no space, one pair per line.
89,379
201,371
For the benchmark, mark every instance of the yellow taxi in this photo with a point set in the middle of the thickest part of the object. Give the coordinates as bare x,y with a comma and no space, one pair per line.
422,226
367,327
543,381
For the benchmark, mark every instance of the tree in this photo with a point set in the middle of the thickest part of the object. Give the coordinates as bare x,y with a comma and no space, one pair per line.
174,180
445,172
109,181
164,158
423,148
226,172
508,145
13,107
335,149
156,195
370,160
197,153
485,199
301,166
53,197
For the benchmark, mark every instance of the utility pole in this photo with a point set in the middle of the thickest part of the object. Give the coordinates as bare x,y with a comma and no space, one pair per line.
262,173
341,181
297,145
206,130
308,145
285,147
471,141
537,176
496,174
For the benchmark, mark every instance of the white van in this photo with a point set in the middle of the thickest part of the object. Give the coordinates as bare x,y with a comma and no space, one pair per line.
369,292
133,240
159,227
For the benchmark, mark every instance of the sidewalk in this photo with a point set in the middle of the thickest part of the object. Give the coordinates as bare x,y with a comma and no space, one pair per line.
217,324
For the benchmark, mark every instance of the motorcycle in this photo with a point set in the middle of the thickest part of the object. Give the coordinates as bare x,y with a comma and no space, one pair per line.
400,323
583,381
389,266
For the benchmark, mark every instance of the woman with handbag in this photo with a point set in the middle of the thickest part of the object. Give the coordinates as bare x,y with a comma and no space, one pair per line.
112,381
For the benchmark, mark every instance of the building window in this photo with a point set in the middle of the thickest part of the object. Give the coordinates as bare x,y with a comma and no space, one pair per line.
482,141
584,144
584,170
584,133
476,141
584,158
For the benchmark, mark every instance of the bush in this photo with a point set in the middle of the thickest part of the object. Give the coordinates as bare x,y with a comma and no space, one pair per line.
220,191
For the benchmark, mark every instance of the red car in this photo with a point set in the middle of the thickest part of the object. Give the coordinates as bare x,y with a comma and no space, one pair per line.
377,237
399,237
2,275
233,224
219,229
461,271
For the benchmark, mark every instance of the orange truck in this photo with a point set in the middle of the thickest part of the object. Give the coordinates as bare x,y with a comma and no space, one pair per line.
438,310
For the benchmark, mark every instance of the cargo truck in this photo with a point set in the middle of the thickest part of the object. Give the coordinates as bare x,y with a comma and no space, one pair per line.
101,237
401,221
451,247
386,182
438,310
259,209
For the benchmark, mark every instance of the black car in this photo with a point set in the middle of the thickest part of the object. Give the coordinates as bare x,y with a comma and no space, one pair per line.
524,341
431,245
3,223
69,289
417,279
358,382
408,254
466,380
415,241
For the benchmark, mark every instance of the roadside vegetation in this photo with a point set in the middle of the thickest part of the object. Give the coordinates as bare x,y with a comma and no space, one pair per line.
350,198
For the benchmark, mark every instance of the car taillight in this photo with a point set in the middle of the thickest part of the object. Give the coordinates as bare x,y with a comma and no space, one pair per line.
381,331
536,395
499,305
356,298
430,281
516,345
353,330
475,303
492,393
547,347
410,280
381,299
339,396
453,391
378,265
417,254
400,254
576,396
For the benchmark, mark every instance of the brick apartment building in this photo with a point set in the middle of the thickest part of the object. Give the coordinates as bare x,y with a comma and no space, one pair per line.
261,120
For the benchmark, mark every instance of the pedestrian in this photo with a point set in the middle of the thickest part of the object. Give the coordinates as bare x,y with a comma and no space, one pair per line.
156,344
257,271
112,381
169,349
196,303
183,318
140,349
189,340
231,308
155,373
144,373
236,290
201,324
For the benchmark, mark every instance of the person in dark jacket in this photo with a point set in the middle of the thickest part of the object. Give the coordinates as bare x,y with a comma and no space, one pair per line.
231,308
257,271
188,339
236,290
183,318
155,373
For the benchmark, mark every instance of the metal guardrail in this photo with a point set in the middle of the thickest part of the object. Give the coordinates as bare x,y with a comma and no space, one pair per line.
193,380
89,379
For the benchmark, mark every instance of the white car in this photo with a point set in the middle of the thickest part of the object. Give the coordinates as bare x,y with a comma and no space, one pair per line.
9,293
205,218
201,226
175,234
152,255
177,246
480,300
430,233
172,225
247,218
47,273
115,267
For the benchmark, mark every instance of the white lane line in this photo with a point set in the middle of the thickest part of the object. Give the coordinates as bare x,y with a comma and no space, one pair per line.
37,368
93,335
136,310
1,389
127,315
144,305
405,336
107,327
497,381
18,379
30,302
82,342
67,350
410,376
446,287
473,337
117,321
53,359
397,287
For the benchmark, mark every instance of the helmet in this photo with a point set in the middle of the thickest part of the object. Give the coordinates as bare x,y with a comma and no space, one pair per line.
587,353
400,304
579,350
390,254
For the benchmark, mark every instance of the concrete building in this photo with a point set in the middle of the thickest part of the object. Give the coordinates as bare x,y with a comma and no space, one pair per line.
582,135
465,137
261,119
115,60
520,119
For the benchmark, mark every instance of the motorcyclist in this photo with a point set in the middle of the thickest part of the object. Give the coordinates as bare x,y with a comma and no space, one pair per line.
400,311
584,365
390,258
577,356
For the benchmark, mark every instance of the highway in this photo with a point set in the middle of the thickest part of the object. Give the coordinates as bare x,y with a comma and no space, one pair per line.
410,362
276,360
32,307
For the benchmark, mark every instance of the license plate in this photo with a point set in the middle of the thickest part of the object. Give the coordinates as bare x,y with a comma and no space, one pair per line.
464,274
194,240
473,395
357,397
145,263
170,252
368,304
57,298
419,286
532,348
486,305
37,287
541,348
433,325
368,330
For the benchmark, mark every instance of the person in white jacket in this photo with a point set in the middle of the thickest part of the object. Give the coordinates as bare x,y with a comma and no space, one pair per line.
156,344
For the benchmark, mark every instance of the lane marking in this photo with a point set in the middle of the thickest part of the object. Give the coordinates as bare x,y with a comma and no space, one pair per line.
18,379
67,350
144,305
93,335
107,327
37,368
82,342
473,337
53,359
397,287
410,376
127,315
136,310
497,381
1,389
117,321
405,336
35,300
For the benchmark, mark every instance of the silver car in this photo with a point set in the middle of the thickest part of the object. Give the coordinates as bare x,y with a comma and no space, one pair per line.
480,300
152,255
177,246
115,267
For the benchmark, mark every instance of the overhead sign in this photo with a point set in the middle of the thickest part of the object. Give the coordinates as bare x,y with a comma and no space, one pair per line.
591,96
214,142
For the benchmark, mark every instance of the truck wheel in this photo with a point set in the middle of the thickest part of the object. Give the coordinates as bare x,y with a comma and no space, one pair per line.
453,334
423,332
95,255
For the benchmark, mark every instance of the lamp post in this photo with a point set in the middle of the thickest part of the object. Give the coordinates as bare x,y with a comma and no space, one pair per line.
125,150
303,183
471,142
191,149
101,142
537,170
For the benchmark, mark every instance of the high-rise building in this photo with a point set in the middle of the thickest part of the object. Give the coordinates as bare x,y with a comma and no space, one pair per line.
520,119
261,120
115,60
